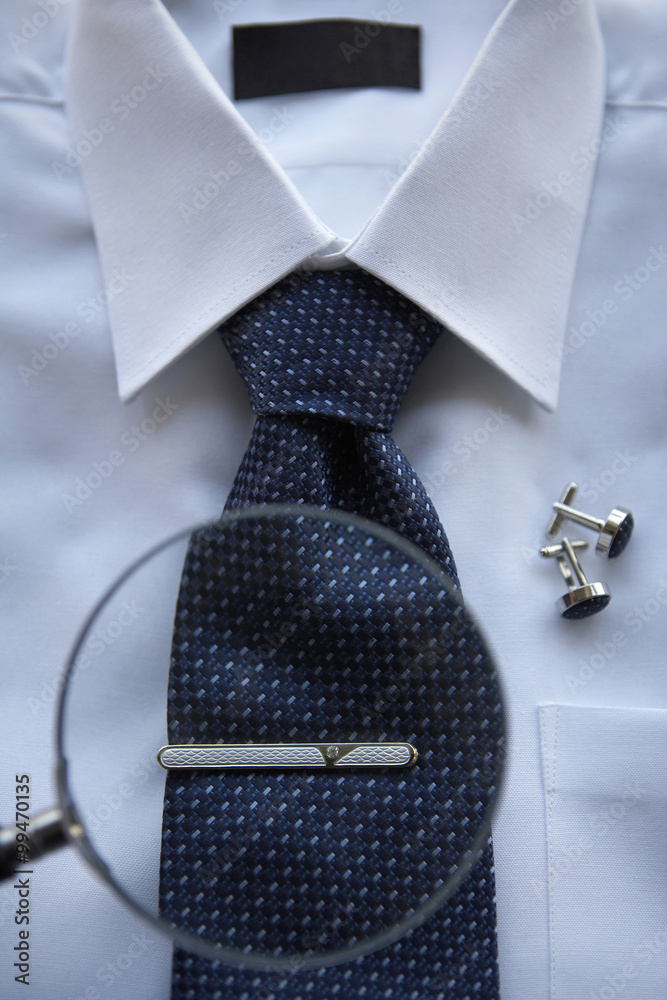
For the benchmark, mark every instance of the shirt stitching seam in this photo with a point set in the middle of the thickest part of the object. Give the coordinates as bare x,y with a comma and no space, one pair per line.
40,99
551,783
658,105
33,99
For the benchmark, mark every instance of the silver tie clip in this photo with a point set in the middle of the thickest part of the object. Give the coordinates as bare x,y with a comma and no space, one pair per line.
193,755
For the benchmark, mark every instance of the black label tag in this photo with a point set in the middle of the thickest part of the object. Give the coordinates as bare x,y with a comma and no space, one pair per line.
295,56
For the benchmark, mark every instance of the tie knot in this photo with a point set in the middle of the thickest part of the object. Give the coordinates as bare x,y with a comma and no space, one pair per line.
338,344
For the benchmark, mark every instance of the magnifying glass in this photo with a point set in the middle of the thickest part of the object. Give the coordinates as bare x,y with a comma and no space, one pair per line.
279,740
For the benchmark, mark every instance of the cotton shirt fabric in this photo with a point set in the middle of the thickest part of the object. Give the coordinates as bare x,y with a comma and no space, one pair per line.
519,198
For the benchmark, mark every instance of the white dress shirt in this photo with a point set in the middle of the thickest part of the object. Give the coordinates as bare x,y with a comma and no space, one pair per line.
519,198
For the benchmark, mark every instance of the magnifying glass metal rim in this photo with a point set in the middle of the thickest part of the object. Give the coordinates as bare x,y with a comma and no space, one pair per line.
76,834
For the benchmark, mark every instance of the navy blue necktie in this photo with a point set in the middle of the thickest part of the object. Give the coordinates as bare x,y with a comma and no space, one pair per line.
327,358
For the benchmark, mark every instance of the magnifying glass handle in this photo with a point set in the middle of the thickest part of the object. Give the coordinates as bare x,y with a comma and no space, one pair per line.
47,834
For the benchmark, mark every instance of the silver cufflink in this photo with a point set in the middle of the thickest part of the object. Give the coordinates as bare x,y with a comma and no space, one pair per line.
582,598
614,533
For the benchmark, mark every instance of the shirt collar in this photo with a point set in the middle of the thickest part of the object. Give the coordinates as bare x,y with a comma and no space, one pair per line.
482,230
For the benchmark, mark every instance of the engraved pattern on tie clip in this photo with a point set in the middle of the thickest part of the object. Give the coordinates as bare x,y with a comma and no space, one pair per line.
328,755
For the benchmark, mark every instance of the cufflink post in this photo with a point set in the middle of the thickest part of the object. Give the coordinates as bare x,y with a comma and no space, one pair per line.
583,598
614,533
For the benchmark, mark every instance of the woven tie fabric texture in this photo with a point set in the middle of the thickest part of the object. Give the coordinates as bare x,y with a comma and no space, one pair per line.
327,358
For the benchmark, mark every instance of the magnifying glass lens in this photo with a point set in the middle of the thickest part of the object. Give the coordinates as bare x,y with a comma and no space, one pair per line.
280,738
